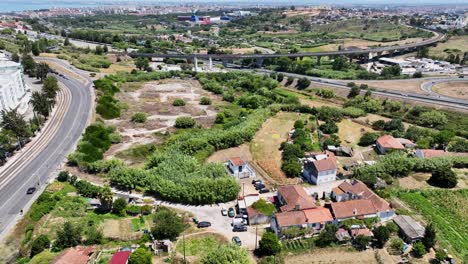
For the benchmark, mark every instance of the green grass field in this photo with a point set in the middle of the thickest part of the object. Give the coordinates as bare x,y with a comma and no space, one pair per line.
199,245
448,211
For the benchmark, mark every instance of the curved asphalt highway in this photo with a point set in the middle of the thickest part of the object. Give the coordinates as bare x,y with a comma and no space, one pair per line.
427,87
40,162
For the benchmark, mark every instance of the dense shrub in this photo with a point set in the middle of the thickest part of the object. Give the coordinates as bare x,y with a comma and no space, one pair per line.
178,102
185,122
167,224
368,138
139,117
329,127
205,101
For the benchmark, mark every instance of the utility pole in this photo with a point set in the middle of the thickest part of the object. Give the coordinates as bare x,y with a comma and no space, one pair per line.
256,234
183,237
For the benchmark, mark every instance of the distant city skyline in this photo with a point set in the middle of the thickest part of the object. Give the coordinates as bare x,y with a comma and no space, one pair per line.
22,5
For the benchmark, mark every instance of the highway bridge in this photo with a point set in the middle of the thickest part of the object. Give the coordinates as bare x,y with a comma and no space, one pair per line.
361,54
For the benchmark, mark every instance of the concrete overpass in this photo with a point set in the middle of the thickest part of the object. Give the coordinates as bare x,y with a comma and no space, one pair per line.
361,54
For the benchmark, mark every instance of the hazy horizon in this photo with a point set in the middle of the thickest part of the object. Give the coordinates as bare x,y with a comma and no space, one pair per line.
22,5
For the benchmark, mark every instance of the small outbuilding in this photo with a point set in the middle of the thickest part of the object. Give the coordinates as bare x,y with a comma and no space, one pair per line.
410,230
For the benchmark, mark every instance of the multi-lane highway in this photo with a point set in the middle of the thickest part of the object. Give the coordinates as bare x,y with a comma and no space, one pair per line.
44,155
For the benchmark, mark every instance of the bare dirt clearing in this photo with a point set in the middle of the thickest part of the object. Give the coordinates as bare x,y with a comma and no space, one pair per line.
155,98
333,255
452,89
266,143
242,151
410,86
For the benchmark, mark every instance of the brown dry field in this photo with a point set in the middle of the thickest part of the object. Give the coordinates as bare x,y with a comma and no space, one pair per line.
119,229
242,151
350,132
411,86
333,255
266,143
453,89
418,180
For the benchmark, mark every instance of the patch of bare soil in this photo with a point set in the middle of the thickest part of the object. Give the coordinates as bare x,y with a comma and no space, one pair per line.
333,255
410,86
119,229
155,98
242,151
453,89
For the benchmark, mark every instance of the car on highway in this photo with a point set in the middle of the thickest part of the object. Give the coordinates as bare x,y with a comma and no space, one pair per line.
224,212
31,190
204,224
231,212
239,228
264,190
237,240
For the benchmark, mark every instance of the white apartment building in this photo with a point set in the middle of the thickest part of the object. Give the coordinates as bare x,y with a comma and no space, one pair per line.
12,85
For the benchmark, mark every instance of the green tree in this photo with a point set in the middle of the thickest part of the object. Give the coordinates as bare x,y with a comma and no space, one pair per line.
419,250
94,236
227,254
303,83
429,238
106,197
39,244
119,206
382,234
361,241
35,49
167,224
66,42
15,122
327,236
423,52
433,118
355,91
142,63
329,127
368,139
50,87
15,57
41,104
29,65
443,177
42,69
140,256
299,124
444,137
291,168
68,236
340,63
269,245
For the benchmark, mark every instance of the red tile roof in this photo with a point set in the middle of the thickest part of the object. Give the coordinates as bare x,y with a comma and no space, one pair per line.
359,188
389,142
296,198
326,164
237,161
120,257
318,215
353,208
291,218
77,255
361,231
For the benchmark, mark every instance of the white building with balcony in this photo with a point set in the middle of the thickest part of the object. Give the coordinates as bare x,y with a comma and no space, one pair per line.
13,89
